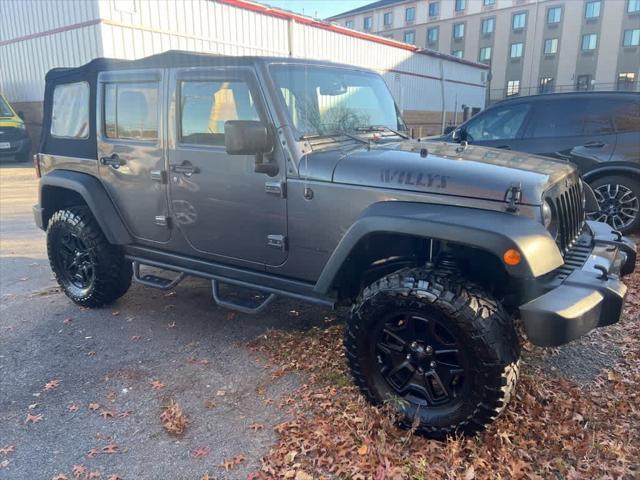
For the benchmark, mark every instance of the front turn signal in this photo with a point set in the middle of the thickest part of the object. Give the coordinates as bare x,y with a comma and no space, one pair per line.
512,257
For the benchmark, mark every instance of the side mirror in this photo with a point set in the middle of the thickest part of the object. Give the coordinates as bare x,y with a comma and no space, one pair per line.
21,114
249,137
246,137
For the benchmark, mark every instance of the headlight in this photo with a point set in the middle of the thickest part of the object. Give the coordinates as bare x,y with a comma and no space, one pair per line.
549,218
21,126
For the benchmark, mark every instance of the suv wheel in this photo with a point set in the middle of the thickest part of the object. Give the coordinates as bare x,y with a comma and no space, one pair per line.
90,270
442,351
619,202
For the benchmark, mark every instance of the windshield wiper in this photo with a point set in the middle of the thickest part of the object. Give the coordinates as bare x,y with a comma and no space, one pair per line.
381,128
337,134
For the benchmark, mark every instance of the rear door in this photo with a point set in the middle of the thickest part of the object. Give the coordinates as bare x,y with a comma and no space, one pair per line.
576,130
626,117
131,149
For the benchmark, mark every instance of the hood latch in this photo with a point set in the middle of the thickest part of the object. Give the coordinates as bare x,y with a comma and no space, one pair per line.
513,197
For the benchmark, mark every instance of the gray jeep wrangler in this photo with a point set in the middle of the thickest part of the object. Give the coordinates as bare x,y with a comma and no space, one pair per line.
295,178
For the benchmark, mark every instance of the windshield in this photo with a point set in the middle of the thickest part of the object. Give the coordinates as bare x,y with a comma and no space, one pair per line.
332,100
5,111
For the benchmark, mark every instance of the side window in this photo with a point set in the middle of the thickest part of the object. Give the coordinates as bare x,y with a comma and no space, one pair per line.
131,111
557,119
206,105
70,112
626,117
501,123
598,117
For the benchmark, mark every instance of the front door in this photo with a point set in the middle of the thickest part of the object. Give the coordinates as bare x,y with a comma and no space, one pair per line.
131,149
221,205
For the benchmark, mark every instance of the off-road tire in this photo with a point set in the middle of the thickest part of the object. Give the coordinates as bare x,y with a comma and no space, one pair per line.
111,272
480,326
633,187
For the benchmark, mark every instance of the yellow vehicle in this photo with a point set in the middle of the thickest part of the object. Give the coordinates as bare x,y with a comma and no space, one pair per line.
14,139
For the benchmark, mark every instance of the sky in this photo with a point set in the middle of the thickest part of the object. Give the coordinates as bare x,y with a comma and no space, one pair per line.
317,8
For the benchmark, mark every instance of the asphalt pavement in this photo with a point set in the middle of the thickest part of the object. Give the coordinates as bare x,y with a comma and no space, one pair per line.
57,361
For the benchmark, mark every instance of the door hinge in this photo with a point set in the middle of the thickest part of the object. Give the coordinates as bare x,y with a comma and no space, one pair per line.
277,241
276,188
158,176
162,220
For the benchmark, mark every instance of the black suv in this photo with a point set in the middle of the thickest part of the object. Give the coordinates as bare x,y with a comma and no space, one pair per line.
597,131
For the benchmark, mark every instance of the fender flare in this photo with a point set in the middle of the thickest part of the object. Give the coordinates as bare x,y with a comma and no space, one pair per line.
491,231
95,196
612,168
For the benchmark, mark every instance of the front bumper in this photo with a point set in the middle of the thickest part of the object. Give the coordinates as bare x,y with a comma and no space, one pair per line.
586,292
16,148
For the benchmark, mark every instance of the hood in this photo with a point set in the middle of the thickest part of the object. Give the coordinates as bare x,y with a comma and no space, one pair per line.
472,171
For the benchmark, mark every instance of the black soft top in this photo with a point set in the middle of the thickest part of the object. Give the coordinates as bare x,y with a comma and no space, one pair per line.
87,148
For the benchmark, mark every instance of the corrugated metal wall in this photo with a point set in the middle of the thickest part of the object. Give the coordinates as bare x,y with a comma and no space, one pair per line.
137,28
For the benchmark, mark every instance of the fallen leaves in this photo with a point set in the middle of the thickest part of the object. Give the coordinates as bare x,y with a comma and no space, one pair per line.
93,406
256,426
173,418
7,449
156,385
51,385
200,452
59,476
72,408
33,418
79,470
232,463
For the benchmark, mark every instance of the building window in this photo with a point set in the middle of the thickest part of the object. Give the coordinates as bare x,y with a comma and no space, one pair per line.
70,111
485,54
631,38
583,82
434,9
488,24
131,110
554,15
367,23
519,21
458,31
592,9
551,46
387,19
589,42
546,85
633,6
626,81
348,24
410,14
460,5
487,3
410,37
513,88
457,53
432,35
516,50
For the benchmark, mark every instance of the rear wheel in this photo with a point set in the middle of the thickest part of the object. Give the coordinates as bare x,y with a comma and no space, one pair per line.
618,201
436,347
90,270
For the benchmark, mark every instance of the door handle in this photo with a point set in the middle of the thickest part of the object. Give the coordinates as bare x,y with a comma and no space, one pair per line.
186,168
113,161
595,144
504,147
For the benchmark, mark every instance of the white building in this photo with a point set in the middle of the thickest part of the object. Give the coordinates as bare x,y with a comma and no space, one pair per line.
37,35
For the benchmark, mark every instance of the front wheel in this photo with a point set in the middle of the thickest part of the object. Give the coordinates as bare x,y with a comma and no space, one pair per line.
618,202
91,271
436,347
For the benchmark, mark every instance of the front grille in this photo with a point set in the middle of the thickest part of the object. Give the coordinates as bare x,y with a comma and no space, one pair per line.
570,214
10,133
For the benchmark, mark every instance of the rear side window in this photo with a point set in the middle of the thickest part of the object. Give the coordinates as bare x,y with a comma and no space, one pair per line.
626,117
70,111
206,105
131,111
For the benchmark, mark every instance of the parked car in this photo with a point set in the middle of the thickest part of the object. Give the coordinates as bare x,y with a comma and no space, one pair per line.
597,131
293,177
14,139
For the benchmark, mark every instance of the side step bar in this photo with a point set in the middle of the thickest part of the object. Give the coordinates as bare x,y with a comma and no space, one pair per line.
251,310
154,281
